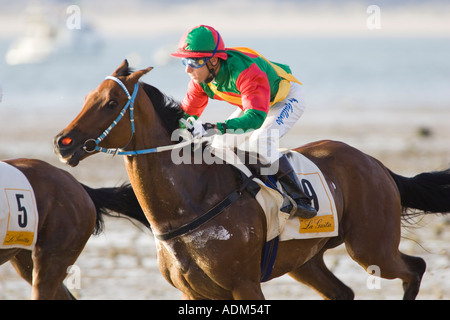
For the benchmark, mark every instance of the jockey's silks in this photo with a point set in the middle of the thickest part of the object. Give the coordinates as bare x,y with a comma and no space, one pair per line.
283,83
246,79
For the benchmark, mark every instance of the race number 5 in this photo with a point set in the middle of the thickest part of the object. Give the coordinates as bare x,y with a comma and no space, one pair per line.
22,216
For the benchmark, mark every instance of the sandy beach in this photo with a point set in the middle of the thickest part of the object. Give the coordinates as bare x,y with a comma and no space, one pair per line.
121,263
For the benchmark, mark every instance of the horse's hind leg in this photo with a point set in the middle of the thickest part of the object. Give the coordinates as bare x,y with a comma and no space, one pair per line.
372,226
48,277
23,263
409,269
385,255
412,284
316,275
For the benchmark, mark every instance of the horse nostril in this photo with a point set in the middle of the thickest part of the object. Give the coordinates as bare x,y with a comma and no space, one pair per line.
64,141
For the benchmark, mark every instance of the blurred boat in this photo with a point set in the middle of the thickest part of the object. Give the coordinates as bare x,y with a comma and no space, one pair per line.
48,36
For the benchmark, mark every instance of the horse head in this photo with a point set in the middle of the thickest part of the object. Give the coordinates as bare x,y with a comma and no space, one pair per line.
101,108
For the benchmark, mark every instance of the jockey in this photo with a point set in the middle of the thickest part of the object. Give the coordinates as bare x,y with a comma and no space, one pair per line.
268,98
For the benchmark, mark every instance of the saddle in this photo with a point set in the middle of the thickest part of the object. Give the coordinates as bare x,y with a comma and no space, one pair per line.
269,194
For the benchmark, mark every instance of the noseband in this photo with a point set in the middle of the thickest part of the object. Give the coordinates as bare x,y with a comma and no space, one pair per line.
120,151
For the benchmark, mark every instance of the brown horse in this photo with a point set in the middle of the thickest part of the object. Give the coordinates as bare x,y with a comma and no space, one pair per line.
69,213
221,257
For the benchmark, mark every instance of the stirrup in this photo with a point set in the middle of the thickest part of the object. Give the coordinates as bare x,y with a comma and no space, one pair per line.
289,206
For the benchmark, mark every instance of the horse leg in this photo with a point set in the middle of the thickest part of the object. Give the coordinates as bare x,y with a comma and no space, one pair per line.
371,222
49,274
385,255
250,291
315,274
411,285
23,264
409,269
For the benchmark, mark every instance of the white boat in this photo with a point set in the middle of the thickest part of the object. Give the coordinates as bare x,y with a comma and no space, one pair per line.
47,36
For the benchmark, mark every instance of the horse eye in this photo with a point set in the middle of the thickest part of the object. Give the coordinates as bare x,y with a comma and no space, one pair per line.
111,104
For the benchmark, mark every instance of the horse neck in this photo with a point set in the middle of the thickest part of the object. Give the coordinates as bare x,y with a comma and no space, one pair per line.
170,194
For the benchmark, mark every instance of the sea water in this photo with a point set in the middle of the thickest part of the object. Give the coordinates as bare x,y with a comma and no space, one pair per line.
338,73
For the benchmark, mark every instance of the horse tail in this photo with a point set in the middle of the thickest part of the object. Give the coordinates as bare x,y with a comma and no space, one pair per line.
115,202
426,193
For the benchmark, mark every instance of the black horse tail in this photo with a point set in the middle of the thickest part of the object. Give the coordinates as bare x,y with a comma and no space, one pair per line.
425,193
115,202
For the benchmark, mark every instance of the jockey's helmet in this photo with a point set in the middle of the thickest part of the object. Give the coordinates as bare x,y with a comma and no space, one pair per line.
201,42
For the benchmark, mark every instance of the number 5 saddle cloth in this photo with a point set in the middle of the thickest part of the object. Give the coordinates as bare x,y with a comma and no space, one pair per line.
18,210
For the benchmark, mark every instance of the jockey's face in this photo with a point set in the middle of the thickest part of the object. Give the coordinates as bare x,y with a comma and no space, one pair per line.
200,75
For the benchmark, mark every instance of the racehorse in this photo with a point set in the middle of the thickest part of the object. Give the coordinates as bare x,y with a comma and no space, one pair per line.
220,257
69,213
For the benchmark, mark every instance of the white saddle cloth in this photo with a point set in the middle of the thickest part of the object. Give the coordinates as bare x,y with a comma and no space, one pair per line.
18,210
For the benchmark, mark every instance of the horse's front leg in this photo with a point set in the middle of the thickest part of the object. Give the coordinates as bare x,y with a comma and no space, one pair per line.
185,296
248,291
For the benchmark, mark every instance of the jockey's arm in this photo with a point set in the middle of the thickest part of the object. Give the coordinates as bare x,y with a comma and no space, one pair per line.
195,100
255,94
252,119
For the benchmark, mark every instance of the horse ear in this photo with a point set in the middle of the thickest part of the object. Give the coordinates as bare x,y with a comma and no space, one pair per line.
135,76
122,68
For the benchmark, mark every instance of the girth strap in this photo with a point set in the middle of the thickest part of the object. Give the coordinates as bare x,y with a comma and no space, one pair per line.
268,258
212,213
232,197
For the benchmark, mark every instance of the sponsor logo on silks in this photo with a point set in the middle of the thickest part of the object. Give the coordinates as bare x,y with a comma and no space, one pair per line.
286,112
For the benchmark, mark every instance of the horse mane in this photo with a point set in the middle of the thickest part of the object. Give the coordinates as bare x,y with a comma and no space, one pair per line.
168,109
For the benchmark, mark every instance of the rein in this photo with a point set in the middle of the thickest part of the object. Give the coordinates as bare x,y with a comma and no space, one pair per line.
121,151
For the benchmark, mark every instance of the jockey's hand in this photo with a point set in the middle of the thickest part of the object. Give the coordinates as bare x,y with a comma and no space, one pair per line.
210,129
199,129
194,126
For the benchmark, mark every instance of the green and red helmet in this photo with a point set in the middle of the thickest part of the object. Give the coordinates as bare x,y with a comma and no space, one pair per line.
200,42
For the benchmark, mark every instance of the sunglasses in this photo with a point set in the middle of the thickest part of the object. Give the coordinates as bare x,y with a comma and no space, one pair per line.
195,62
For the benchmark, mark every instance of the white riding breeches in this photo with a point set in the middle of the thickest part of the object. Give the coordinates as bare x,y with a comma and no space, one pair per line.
264,141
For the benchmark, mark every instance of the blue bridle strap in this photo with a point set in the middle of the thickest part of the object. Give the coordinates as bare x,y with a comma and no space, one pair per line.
121,84
130,105
120,151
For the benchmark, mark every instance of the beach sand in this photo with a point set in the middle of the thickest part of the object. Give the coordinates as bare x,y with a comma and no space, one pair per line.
121,263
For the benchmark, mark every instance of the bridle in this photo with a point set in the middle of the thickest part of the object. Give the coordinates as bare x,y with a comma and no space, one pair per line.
129,104
121,151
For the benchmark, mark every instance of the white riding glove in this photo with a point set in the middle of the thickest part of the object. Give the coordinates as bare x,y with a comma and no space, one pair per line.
196,128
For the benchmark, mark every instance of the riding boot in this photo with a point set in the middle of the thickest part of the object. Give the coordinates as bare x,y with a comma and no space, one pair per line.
288,180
